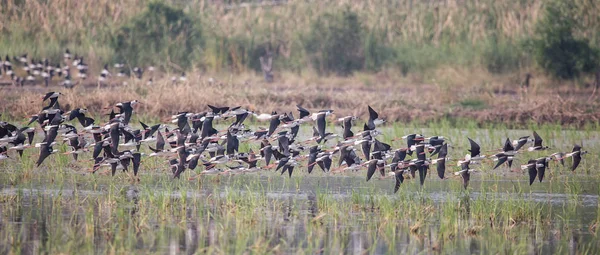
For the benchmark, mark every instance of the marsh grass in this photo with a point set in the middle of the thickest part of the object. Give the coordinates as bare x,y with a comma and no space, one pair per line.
61,208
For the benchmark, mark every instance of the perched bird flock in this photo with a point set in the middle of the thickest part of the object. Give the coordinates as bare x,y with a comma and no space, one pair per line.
71,71
191,141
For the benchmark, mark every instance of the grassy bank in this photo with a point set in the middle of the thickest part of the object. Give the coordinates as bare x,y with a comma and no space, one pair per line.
482,100
409,37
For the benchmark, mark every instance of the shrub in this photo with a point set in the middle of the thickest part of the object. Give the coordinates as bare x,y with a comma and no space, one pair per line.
160,33
501,56
555,47
377,53
335,43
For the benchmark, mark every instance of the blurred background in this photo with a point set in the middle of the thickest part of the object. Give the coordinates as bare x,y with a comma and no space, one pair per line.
465,54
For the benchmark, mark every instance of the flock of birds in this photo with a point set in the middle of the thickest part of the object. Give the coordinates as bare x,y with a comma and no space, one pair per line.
35,71
193,142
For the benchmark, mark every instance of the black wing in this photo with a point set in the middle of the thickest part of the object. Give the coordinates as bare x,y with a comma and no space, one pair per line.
443,151
576,160
282,163
343,155
508,146
373,115
541,170
399,155
273,125
327,163
531,169
441,168
321,125
421,152
30,136
537,140
303,112
45,150
268,154
347,129
475,149
284,144
114,139
366,148
51,135
144,126
501,160
312,158
206,127
522,141
422,173
214,109
239,119
399,179
232,144
88,121
127,135
371,169
466,177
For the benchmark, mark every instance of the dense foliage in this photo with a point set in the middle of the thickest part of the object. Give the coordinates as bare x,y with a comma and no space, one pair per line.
335,43
556,49
160,33
328,37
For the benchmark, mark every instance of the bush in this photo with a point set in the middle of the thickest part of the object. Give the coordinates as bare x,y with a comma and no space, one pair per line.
335,43
501,56
377,54
555,47
160,33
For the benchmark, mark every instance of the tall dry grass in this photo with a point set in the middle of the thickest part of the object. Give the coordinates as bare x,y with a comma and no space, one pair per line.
397,98
421,33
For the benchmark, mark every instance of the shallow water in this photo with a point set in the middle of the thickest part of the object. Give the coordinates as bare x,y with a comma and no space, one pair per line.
70,211
201,227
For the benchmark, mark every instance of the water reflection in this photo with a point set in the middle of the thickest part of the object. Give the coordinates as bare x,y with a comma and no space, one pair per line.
46,222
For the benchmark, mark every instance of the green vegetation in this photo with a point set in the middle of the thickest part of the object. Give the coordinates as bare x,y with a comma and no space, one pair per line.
62,208
335,43
329,38
160,33
473,103
557,50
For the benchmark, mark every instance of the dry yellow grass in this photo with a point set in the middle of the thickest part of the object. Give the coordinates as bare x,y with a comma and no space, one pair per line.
482,97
